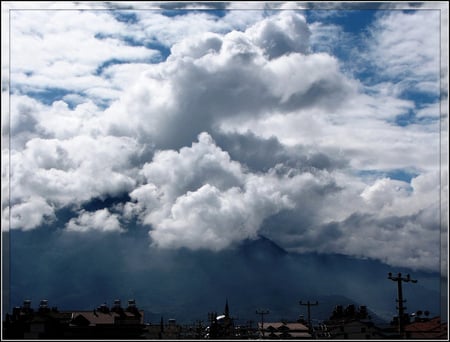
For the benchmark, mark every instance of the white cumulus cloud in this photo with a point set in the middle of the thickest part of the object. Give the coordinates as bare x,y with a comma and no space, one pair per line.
200,198
101,220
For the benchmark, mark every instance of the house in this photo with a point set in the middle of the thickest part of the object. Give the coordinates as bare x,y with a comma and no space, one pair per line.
355,330
27,323
349,323
104,322
432,328
284,330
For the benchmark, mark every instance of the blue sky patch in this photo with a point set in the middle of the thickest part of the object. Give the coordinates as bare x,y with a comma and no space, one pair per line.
107,64
49,95
128,17
354,21
404,175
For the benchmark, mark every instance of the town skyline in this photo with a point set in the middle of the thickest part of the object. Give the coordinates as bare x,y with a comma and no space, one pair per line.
350,321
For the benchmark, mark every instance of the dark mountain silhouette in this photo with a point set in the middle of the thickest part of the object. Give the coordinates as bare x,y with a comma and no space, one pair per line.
261,247
82,270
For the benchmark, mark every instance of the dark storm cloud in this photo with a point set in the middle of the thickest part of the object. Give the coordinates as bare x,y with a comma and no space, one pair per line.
259,154
362,235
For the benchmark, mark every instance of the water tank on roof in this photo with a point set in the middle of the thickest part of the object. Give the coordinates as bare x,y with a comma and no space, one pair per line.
103,308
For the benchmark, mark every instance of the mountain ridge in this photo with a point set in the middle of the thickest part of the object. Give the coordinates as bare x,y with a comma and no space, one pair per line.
186,285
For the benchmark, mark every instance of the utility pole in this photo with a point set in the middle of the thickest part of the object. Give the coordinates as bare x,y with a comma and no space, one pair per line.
262,313
400,301
309,304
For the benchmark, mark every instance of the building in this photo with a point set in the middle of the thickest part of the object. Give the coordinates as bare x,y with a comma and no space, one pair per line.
284,330
169,330
102,322
28,323
349,323
355,330
221,326
432,328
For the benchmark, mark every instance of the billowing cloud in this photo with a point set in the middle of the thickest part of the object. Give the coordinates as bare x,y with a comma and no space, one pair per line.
213,129
31,213
384,219
390,197
210,79
200,198
68,173
283,34
101,220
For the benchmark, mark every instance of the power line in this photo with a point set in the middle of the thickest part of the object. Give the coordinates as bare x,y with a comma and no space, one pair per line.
400,301
309,304
262,313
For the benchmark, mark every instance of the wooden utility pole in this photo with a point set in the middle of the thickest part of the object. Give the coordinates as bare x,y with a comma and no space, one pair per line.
400,301
262,313
309,304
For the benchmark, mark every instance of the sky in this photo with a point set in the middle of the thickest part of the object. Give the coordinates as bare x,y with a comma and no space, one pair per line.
323,127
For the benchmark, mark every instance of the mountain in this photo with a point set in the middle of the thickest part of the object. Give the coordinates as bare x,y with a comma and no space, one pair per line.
76,271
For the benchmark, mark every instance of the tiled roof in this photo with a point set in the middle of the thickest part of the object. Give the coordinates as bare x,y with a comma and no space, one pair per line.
432,328
96,317
282,326
286,330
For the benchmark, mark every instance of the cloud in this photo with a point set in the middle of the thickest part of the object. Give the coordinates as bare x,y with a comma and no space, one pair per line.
396,222
404,45
192,167
43,53
392,240
219,128
188,204
31,213
101,220
283,34
213,81
262,154
384,192
68,173
389,197
206,83
200,198
209,218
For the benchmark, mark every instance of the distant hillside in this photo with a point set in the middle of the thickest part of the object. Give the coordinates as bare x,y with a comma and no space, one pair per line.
186,285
